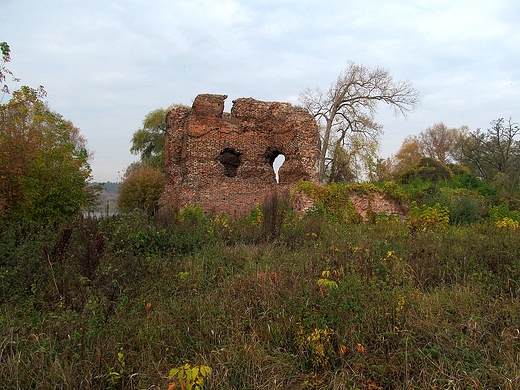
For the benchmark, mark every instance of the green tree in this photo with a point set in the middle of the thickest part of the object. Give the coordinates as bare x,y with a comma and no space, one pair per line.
140,190
350,105
6,57
44,166
148,141
382,170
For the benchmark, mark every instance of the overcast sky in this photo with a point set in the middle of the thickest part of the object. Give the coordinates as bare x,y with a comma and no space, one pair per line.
106,64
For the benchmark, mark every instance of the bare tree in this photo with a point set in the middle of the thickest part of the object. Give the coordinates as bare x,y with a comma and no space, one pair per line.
352,158
494,152
350,105
439,142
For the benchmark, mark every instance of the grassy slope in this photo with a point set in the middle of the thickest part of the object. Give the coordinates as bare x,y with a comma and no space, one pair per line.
397,310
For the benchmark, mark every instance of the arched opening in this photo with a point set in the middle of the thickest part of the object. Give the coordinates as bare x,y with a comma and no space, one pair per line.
277,163
276,159
230,159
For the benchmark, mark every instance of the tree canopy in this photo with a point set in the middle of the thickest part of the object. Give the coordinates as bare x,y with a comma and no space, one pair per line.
148,141
495,151
494,154
440,142
349,106
44,165
437,142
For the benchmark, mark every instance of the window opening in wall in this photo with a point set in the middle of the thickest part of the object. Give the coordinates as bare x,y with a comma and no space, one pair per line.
276,160
277,163
230,159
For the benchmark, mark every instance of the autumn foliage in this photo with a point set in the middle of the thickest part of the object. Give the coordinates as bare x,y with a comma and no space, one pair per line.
141,190
44,162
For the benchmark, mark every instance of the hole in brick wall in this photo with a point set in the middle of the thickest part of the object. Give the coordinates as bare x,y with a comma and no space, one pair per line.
228,105
276,160
230,159
277,163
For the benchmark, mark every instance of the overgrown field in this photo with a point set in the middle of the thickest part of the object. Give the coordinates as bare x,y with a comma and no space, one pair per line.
272,301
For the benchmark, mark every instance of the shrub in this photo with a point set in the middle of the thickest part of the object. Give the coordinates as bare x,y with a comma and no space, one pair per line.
501,211
426,217
507,223
427,169
140,190
465,209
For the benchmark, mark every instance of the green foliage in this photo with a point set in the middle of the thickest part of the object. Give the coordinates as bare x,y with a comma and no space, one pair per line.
140,190
6,57
465,209
468,181
427,169
44,166
494,153
93,202
220,228
417,190
394,191
116,376
148,141
316,347
351,156
464,206
325,284
501,211
189,377
117,302
507,223
427,217
256,217
333,200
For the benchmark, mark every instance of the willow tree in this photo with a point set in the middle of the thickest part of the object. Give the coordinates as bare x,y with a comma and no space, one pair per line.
350,105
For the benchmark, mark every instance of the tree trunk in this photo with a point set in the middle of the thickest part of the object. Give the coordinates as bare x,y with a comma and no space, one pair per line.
324,147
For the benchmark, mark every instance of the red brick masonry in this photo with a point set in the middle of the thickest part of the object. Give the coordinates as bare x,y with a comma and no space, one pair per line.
224,161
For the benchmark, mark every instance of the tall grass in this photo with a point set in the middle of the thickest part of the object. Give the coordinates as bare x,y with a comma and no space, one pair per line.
117,302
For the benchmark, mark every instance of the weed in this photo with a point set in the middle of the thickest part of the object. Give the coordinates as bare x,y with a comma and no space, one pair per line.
315,303
188,377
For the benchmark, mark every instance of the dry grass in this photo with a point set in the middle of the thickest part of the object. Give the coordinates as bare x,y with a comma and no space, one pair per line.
132,299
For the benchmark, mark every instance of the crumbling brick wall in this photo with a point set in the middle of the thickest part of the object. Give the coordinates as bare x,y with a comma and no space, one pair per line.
224,161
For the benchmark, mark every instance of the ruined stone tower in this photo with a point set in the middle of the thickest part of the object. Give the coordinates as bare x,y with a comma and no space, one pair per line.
224,161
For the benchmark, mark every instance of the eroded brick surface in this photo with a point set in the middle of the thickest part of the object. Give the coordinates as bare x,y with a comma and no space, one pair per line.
376,203
224,161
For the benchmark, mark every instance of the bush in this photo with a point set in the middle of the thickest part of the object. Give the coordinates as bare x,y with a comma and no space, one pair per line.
465,209
501,211
119,302
427,217
427,169
140,190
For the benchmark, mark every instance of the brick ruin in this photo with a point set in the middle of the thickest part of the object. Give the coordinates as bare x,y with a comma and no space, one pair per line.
224,161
